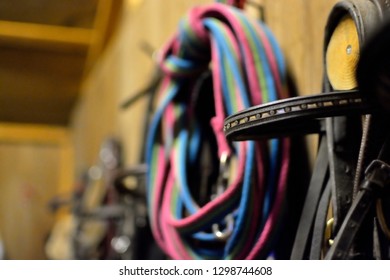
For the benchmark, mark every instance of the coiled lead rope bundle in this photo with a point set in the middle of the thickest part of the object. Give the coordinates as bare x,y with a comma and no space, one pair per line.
247,182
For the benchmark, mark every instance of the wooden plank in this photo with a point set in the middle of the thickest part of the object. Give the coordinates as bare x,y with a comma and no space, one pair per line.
37,134
43,36
102,18
28,179
70,13
36,164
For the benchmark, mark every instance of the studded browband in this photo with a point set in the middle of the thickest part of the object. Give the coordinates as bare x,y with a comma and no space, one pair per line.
294,115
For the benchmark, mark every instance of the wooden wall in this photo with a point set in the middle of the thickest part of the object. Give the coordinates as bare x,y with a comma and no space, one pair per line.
299,27
35,164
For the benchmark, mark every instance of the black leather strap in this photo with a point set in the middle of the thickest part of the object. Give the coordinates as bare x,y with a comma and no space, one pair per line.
309,210
344,135
317,241
377,179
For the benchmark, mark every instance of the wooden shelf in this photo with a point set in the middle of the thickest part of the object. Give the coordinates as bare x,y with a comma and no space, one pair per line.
44,59
41,36
38,134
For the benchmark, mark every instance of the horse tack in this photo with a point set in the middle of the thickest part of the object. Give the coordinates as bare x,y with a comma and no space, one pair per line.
353,22
188,220
374,67
351,149
349,157
372,74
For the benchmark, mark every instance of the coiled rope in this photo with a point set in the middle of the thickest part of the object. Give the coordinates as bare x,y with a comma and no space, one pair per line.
245,181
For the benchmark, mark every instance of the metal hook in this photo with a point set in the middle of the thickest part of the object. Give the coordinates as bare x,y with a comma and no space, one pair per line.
221,186
224,234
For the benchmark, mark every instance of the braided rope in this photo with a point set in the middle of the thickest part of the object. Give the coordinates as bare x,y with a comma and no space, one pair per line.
247,68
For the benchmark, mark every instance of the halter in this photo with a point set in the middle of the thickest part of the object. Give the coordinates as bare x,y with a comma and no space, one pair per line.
209,198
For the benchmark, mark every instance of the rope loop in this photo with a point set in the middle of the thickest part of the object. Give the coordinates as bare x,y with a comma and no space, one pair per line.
218,63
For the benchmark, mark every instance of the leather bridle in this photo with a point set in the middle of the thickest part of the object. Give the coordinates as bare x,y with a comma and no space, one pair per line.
350,172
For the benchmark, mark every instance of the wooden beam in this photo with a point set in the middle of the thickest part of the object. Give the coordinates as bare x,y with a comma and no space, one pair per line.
44,36
33,133
102,19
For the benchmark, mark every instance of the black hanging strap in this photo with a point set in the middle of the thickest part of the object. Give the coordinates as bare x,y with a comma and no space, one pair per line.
311,202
